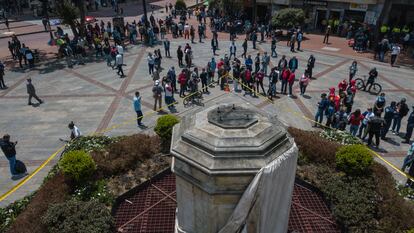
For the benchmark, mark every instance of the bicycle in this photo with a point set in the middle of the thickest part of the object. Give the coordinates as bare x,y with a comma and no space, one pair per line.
361,85
194,99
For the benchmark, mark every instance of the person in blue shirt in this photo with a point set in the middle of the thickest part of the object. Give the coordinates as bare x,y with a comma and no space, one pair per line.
322,105
137,108
249,62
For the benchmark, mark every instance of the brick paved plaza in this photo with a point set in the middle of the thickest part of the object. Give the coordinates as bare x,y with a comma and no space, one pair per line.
96,99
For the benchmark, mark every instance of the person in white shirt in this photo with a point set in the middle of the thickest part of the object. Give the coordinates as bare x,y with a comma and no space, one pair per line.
120,50
151,63
395,50
74,131
233,49
119,61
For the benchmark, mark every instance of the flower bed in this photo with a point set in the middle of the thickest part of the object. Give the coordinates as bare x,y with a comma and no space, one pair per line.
363,199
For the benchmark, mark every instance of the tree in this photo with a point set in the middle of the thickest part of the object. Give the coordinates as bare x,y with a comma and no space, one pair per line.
380,21
82,13
288,17
69,15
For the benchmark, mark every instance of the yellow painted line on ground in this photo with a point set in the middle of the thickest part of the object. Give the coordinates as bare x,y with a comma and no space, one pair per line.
38,169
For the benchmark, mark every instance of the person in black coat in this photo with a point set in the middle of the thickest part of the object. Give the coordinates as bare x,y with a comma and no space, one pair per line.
9,150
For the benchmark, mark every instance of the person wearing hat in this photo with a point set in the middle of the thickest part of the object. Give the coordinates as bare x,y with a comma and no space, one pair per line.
32,92
157,94
410,127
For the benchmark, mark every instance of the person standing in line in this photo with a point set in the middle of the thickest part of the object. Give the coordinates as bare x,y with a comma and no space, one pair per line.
303,83
200,33
244,45
322,106
362,131
182,80
375,125
151,63
273,47
410,127
168,95
119,61
390,112
265,63
259,81
204,80
137,108
285,77
310,65
354,121
291,81
180,56
257,63
327,33
9,150
157,94
214,46
282,63
32,92
167,47
353,70
395,51
293,64
248,62
233,49
2,85
6,22
402,111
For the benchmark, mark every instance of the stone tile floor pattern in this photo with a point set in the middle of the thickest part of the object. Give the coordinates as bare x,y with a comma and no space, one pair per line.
95,98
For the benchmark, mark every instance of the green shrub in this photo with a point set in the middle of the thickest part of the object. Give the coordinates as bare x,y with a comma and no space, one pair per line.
353,200
90,143
164,127
77,165
9,213
180,5
339,136
288,18
78,216
313,147
94,191
353,159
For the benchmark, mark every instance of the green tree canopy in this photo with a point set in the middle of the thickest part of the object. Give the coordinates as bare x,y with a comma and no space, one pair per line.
288,17
68,13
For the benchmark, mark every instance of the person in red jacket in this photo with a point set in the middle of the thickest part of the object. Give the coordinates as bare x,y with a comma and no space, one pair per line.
355,120
220,64
291,81
352,87
182,80
342,86
259,81
332,94
285,77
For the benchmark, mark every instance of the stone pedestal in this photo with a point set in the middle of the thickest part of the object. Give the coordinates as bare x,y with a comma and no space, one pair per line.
217,152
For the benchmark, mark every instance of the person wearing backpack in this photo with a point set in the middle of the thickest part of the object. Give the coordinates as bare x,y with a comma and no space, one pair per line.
375,125
9,150
402,110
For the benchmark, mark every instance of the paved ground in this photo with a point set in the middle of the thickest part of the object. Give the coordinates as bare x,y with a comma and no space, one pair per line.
96,99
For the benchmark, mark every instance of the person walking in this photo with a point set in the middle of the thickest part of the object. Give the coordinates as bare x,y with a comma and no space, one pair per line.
375,125
9,150
395,51
410,127
322,106
402,111
137,108
257,63
2,85
157,94
353,70
292,42
327,33
32,92
354,121
299,38
303,83
291,81
167,47
119,61
233,50
390,112
244,45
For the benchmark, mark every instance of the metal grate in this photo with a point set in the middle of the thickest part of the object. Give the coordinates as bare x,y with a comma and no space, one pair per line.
151,209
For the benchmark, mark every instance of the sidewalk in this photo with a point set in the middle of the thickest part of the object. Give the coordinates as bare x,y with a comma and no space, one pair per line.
20,28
